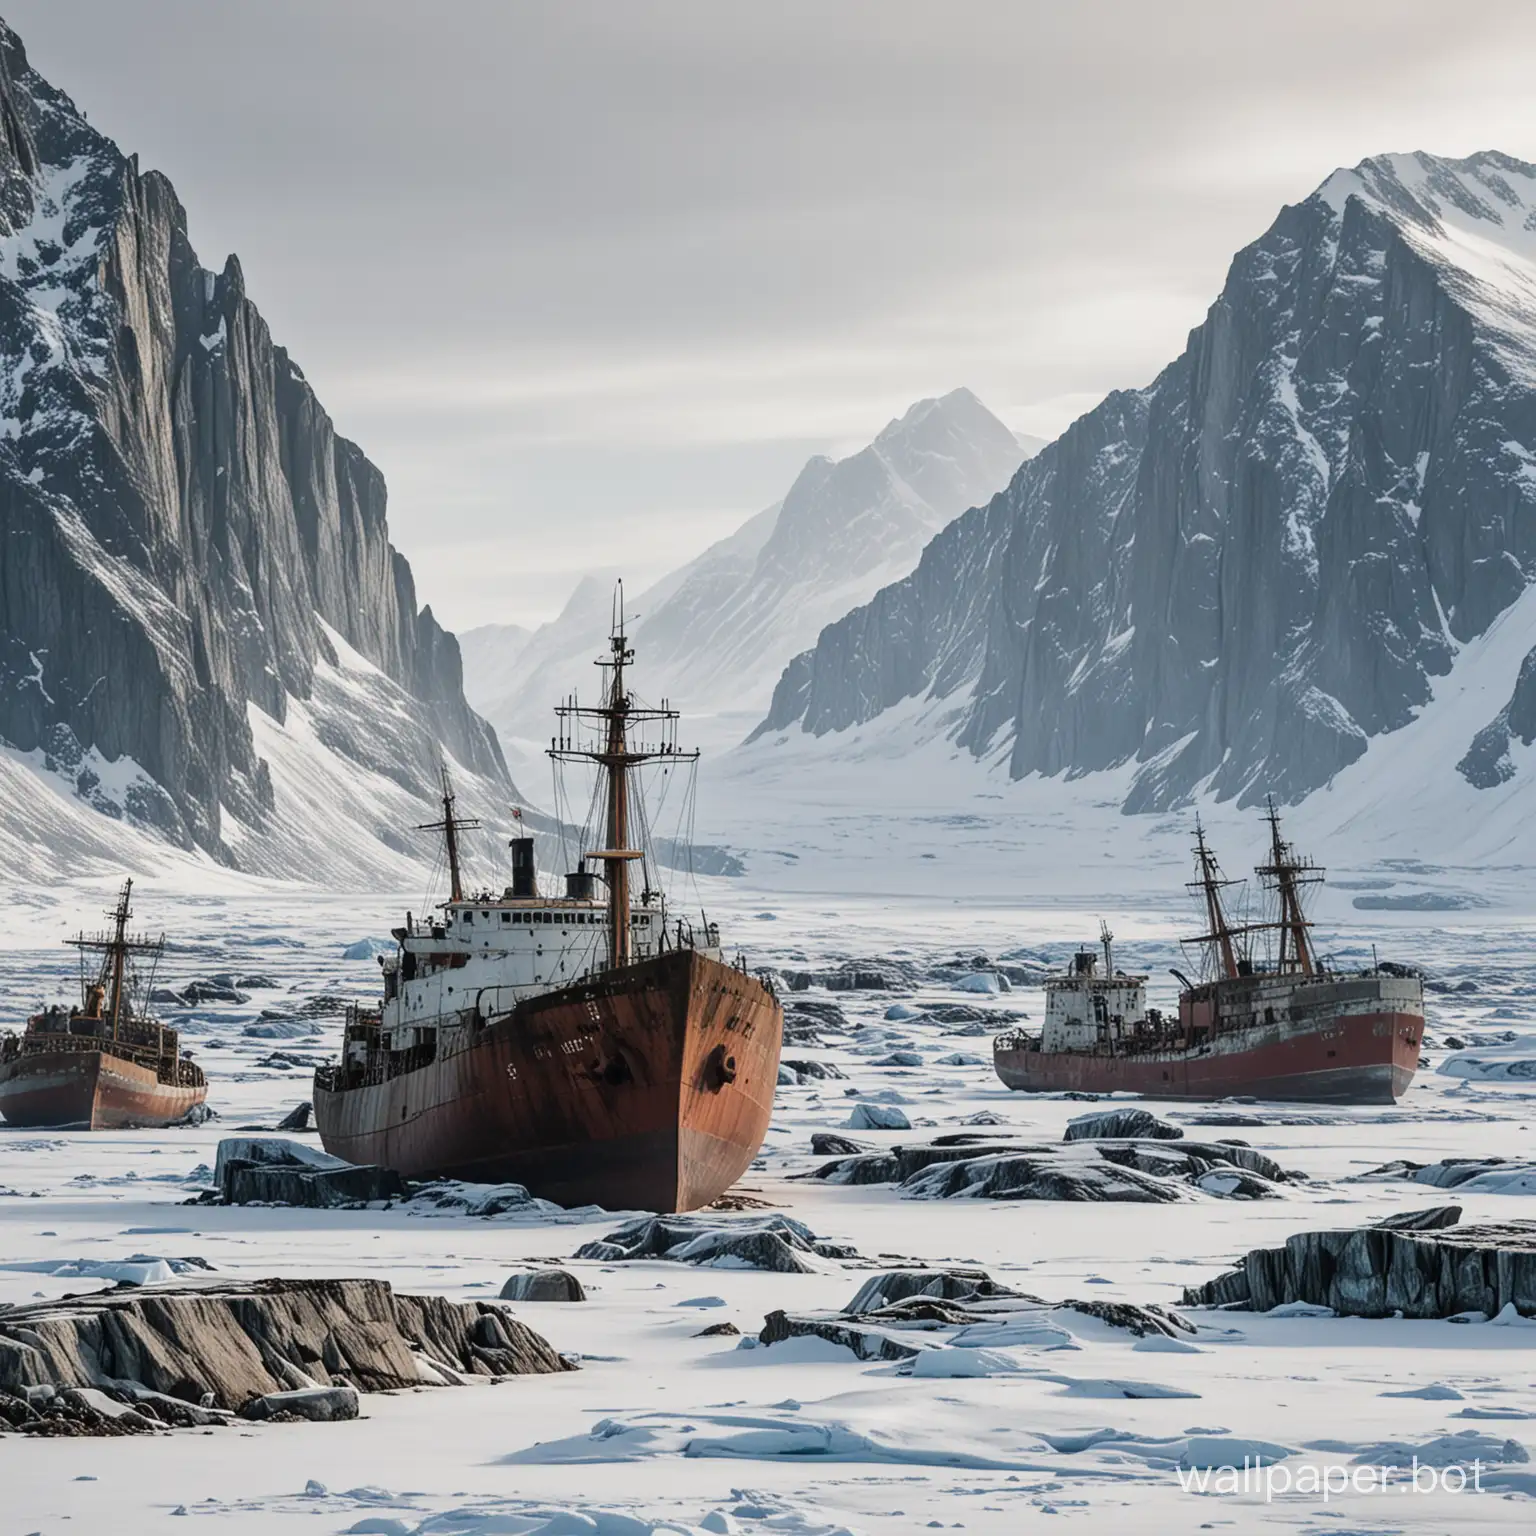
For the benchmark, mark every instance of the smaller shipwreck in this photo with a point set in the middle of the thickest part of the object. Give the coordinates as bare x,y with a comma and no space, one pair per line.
105,1064
1270,1021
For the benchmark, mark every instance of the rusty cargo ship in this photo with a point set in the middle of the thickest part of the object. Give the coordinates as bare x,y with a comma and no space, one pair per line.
1282,1027
591,1045
103,1065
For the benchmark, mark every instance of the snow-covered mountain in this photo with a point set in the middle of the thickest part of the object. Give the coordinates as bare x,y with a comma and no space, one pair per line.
1291,545
205,634
715,634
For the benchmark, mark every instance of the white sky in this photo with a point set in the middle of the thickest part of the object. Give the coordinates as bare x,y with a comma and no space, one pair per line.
590,281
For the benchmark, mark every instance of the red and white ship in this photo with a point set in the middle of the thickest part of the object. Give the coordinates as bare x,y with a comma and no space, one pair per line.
1284,1028
104,1065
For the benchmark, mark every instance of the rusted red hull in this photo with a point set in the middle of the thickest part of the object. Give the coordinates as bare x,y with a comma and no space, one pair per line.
610,1092
92,1090
1349,1041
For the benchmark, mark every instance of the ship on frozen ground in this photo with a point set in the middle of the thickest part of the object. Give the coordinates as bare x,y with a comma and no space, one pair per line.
593,1046
105,1064
1285,1026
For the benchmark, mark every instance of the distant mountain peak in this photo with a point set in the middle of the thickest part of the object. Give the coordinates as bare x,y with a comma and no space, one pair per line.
1230,581
715,634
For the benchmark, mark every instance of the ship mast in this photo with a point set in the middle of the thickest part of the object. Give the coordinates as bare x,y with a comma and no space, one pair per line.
1209,883
115,947
450,826
610,746
1289,873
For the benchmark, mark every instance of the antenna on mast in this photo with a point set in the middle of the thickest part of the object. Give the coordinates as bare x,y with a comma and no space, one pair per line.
1288,872
1210,882
110,989
450,826
607,743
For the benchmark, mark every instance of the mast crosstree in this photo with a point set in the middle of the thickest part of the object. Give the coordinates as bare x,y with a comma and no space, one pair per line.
1210,882
450,826
1288,872
602,735
107,996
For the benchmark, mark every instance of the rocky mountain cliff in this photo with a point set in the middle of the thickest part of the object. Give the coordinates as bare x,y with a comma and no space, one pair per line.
1239,575
715,634
190,552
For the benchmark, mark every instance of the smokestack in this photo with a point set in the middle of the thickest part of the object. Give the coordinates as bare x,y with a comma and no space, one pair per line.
524,875
579,883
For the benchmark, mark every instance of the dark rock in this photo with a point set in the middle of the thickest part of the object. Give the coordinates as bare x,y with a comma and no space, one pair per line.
1119,1124
1019,1176
318,1188
815,1069
816,1011
865,1168
866,1343
171,474
320,1405
826,1144
1134,1319
171,1410
1226,1290
1433,1219
718,1331
968,1013
966,1164
1379,1271
543,1285
858,976
1455,1043
1451,1172
758,1242
297,1118
196,993
898,1285
274,1150
219,1343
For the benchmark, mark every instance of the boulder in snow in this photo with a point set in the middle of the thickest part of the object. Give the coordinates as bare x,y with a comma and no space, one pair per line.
1120,1123
753,1242
321,1405
543,1285
877,1117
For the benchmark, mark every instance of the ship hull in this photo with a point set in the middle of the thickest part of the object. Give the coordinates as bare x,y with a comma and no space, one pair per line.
1352,1041
91,1090
610,1092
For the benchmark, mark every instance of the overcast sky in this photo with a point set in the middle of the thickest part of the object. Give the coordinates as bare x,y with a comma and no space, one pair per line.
590,281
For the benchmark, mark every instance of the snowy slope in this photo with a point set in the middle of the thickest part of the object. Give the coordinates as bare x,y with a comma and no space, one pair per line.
1303,547
192,553
715,634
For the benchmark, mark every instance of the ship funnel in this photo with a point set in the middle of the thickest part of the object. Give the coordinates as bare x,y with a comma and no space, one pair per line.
524,872
580,883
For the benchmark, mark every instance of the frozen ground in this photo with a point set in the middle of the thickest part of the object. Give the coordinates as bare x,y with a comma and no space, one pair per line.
661,1426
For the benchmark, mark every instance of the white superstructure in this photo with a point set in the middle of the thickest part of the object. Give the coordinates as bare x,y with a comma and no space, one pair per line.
1085,1008
478,957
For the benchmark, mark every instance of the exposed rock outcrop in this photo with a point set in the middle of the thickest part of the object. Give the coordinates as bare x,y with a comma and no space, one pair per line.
543,1285
1240,574
1120,1123
1144,1172
1383,1270
757,1242
187,537
222,1343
